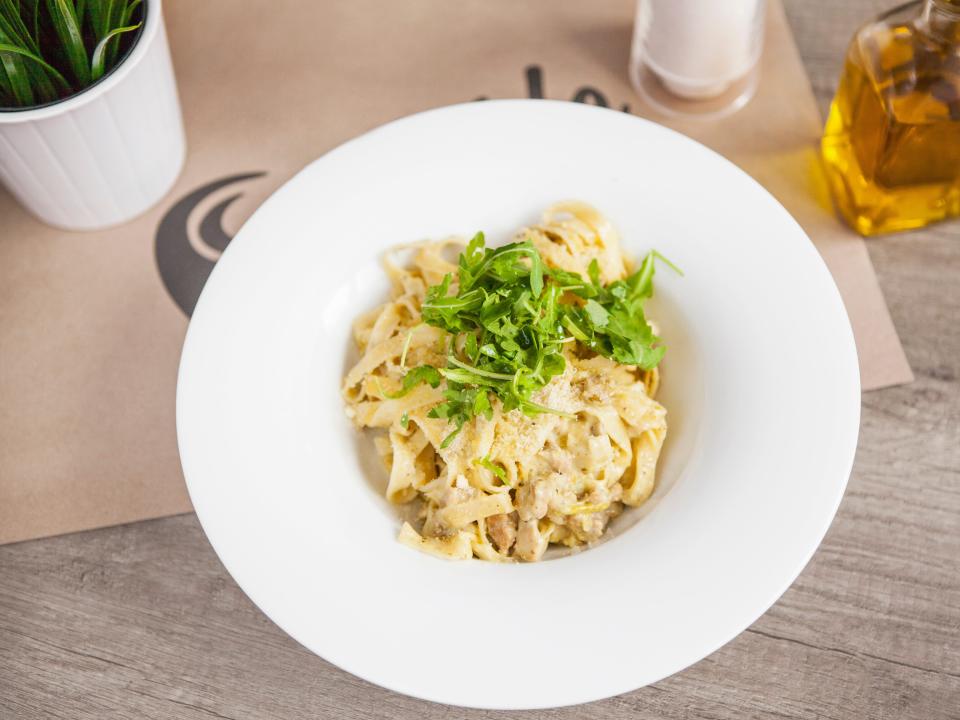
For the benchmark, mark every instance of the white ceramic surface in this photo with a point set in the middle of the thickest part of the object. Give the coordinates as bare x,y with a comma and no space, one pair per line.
760,381
107,154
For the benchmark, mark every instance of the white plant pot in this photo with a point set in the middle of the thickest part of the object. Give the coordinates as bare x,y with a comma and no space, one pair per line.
107,154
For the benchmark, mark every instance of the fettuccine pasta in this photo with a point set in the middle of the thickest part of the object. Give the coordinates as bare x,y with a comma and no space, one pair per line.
509,483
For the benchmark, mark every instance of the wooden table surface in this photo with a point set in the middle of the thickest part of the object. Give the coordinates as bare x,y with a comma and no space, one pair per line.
142,621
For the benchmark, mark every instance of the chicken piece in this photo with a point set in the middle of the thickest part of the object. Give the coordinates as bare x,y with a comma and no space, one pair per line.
532,499
589,527
502,530
531,543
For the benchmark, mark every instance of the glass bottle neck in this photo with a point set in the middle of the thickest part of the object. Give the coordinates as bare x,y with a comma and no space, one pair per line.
941,20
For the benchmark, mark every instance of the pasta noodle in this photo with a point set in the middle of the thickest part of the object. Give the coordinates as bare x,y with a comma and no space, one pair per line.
509,484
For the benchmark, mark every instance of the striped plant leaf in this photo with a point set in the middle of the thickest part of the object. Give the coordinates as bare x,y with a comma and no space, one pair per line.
52,72
6,92
35,10
116,12
98,64
99,11
11,25
43,86
65,22
129,8
11,21
17,76
15,73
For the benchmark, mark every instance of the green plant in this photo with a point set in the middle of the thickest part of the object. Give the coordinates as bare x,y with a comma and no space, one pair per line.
51,49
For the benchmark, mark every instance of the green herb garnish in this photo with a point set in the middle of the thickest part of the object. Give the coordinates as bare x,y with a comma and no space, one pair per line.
492,467
510,319
422,374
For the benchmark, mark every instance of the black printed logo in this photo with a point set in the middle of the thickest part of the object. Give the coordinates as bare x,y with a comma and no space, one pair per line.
586,94
182,268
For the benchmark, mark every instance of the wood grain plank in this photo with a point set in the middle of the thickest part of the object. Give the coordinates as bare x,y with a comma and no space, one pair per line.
142,621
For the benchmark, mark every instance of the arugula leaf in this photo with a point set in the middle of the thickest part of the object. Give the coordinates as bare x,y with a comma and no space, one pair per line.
510,319
421,374
594,271
470,347
497,470
597,313
481,405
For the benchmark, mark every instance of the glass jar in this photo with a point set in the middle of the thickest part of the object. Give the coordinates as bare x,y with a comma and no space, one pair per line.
891,145
697,57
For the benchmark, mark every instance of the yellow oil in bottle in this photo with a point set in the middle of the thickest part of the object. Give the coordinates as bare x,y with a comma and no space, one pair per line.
891,146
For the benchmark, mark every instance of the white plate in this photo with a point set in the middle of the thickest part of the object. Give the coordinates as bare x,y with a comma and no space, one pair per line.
760,381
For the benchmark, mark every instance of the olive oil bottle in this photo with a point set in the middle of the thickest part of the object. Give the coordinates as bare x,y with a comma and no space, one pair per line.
891,146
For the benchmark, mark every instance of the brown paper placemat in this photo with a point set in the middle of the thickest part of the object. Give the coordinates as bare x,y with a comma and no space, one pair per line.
90,332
